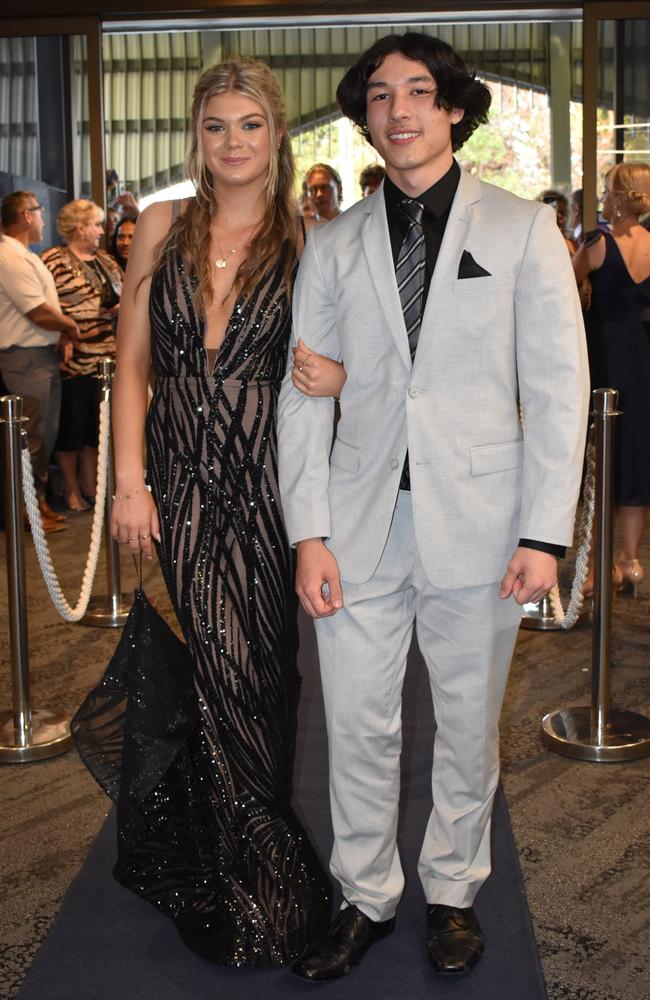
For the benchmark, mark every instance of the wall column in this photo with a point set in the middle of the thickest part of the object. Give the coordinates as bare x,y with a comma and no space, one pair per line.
560,97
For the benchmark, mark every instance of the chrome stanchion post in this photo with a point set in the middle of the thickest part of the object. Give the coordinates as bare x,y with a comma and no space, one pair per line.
110,610
599,732
539,615
11,416
605,411
25,733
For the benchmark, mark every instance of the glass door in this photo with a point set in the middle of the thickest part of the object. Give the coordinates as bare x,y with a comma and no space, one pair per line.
616,93
49,143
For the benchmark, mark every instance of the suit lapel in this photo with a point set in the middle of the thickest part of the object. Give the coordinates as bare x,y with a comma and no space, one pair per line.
376,246
451,249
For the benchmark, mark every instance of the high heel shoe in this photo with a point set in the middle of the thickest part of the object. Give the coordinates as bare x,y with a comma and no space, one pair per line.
632,574
75,502
617,580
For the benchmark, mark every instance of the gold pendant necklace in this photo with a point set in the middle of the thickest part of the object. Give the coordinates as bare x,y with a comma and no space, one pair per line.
222,261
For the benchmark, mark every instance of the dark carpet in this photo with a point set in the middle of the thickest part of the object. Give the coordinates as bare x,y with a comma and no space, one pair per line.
106,943
582,830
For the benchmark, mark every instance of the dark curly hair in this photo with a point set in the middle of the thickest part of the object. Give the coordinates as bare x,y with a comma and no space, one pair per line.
457,87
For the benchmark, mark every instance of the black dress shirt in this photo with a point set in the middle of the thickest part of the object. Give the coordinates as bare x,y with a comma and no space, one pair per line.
437,205
437,201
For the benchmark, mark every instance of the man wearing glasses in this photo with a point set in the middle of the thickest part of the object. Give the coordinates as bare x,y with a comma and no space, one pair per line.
32,330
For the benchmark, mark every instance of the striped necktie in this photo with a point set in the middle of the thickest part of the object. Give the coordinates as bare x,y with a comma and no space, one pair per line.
410,271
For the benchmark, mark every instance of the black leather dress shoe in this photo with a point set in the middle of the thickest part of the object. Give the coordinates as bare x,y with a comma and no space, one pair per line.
454,938
346,942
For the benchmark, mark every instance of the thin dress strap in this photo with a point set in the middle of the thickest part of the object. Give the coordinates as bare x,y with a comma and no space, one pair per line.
176,207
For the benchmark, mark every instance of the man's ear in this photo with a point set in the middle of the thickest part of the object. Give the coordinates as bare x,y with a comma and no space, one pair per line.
456,115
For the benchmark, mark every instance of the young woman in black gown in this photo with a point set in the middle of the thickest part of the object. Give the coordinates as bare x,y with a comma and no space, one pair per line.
618,265
207,295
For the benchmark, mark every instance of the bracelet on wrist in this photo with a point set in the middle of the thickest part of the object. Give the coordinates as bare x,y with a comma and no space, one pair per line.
129,496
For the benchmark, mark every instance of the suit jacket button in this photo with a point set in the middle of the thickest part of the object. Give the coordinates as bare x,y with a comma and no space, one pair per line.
414,391
394,464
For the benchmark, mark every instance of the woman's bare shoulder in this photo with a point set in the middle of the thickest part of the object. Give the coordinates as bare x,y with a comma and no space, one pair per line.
162,212
155,221
156,216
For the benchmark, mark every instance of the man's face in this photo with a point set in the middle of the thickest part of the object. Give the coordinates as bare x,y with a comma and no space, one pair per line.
407,129
323,193
34,213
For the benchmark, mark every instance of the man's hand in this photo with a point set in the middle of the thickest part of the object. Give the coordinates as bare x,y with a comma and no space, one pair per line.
72,330
529,575
317,570
53,319
65,347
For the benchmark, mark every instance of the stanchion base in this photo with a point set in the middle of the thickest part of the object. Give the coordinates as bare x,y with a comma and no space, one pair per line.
104,612
568,732
539,615
49,737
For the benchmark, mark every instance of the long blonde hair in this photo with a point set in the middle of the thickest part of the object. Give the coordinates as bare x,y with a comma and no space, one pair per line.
278,232
630,182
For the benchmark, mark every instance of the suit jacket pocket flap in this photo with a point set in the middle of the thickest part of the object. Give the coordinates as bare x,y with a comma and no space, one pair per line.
496,457
345,456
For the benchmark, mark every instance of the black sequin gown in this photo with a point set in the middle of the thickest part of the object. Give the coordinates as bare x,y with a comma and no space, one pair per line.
215,844
619,358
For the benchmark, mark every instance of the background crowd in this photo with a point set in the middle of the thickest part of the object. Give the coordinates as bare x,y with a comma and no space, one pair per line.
54,328
58,314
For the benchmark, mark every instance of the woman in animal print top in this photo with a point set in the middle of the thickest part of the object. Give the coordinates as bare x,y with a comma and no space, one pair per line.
89,283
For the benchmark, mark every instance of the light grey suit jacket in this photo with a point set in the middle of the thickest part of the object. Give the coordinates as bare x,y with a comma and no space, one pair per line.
478,482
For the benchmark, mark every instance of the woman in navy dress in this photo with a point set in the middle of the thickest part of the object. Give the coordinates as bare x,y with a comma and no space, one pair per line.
618,265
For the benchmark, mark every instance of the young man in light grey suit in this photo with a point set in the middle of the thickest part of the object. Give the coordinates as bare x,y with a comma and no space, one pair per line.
433,505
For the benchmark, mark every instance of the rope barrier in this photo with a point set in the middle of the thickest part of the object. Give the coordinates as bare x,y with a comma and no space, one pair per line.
567,619
76,613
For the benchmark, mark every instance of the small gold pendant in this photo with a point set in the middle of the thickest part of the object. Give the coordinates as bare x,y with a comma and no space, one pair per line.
221,263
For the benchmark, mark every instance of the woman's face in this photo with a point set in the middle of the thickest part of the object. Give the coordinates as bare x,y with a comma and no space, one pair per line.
235,140
89,235
124,238
112,219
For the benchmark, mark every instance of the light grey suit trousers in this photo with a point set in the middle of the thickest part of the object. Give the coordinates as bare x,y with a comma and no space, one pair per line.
466,638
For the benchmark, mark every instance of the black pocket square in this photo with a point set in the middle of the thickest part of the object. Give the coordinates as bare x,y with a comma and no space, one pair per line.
468,268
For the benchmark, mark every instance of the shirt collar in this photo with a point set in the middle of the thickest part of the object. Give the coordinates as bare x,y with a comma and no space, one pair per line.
437,199
13,244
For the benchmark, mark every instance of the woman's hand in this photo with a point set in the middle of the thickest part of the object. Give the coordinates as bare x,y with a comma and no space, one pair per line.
314,374
134,521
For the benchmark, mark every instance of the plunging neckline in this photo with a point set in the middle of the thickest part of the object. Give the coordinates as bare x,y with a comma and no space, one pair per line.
637,284
226,335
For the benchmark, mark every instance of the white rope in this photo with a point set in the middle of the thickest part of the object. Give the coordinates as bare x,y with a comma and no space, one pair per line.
567,619
67,612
